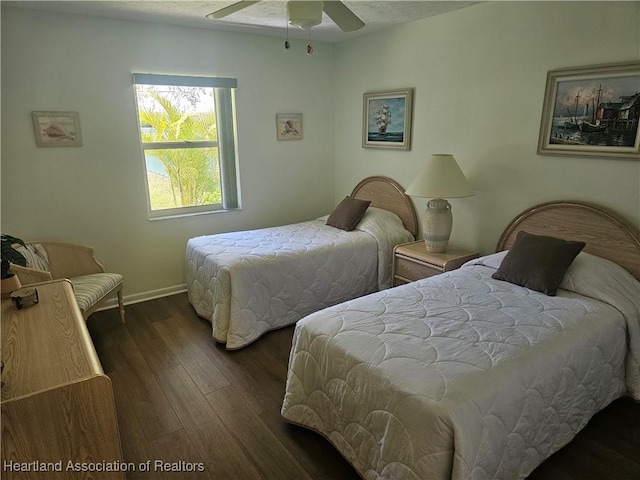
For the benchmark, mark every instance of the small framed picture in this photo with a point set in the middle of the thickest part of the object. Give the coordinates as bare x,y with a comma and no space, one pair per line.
57,129
592,112
386,119
289,126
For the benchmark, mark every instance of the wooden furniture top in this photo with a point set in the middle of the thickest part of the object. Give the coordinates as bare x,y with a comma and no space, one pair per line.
604,233
385,193
59,350
418,251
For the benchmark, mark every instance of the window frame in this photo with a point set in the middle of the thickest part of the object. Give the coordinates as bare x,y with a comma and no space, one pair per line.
224,90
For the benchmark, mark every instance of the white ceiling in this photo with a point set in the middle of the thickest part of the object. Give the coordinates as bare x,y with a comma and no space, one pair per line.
266,17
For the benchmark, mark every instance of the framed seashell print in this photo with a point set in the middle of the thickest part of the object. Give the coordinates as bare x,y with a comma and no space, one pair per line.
57,129
289,126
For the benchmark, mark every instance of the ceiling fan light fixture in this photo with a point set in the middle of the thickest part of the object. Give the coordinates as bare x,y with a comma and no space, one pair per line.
304,13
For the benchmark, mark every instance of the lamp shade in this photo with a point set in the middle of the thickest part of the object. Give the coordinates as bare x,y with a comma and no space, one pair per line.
441,177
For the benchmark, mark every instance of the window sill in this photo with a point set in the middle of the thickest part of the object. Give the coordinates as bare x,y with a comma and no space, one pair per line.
194,214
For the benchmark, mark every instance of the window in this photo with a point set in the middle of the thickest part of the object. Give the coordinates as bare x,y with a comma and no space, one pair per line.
187,133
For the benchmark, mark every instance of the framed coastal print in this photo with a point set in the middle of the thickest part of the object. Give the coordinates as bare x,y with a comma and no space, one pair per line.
386,119
289,126
592,112
57,129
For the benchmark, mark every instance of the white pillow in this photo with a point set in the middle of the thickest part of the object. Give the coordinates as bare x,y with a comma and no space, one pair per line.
380,217
587,275
374,215
595,277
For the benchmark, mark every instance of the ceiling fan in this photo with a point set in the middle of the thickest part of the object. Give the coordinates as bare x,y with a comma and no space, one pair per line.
305,13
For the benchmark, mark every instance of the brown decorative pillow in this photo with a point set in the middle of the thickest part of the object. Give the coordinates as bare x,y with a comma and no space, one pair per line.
538,262
348,213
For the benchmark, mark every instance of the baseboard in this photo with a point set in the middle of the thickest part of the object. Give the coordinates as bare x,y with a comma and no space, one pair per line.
145,296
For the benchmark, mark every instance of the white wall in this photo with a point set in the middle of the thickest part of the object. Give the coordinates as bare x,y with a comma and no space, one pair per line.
479,76
94,194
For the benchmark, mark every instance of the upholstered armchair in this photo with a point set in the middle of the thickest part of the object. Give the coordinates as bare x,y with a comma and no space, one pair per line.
92,286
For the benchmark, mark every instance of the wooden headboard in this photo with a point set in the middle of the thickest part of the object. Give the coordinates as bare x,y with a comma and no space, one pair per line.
383,192
605,234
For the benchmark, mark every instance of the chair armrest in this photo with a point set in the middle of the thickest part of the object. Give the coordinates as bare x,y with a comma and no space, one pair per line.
67,260
28,276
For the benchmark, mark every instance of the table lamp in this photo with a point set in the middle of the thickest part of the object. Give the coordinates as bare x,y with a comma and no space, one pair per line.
440,178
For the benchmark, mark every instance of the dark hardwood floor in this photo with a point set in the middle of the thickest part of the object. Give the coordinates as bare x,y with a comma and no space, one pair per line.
184,400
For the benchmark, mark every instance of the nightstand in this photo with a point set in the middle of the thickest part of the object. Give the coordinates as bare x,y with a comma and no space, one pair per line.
411,261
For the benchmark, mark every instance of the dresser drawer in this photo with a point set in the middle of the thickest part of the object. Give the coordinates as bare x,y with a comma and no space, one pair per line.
411,270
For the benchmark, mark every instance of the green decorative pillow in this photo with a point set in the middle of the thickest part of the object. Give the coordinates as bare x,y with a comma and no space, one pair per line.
538,262
348,213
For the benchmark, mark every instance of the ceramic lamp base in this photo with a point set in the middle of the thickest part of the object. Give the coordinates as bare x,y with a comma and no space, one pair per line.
437,225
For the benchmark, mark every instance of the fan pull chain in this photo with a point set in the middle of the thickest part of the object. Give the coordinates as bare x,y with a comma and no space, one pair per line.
287,45
309,47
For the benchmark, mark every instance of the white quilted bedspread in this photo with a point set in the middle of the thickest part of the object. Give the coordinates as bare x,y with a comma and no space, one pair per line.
247,283
462,376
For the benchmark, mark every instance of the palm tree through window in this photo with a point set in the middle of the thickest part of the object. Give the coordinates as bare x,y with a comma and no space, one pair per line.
187,132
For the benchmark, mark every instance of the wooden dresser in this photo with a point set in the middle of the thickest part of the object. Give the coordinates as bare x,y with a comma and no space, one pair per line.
58,411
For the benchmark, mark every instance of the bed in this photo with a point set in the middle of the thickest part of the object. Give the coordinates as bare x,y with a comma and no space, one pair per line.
464,376
248,283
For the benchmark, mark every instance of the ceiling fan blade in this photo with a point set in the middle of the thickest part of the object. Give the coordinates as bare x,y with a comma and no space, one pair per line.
342,16
223,12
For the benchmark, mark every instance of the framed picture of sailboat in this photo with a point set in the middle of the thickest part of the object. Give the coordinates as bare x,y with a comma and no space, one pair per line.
386,119
592,112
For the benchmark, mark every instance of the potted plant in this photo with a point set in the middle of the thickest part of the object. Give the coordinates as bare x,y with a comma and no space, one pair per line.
9,281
